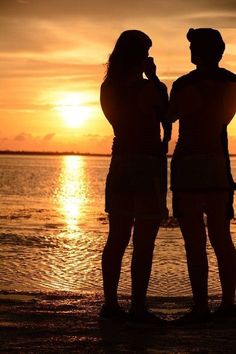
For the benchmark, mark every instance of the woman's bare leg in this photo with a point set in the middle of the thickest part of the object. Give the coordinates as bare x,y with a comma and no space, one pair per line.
145,231
118,238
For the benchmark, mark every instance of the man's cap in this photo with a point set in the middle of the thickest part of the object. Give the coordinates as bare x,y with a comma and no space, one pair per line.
206,39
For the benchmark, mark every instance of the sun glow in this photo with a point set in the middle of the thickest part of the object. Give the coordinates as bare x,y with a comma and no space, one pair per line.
73,110
71,193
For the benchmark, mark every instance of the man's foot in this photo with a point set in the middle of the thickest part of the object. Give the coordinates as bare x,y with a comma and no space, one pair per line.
194,317
145,316
112,312
225,311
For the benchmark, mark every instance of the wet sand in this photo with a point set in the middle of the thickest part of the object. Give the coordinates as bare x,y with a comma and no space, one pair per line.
69,323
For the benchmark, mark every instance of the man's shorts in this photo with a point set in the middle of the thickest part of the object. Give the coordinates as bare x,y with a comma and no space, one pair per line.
217,203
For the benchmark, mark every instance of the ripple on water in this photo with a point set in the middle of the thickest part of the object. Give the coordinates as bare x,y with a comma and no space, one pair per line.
52,234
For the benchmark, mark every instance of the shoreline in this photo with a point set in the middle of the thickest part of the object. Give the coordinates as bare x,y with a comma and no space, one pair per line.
58,322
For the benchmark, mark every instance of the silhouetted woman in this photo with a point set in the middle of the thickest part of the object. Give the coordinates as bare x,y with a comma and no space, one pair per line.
136,182
204,101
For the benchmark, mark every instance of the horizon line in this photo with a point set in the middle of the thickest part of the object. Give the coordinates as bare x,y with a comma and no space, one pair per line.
32,152
61,153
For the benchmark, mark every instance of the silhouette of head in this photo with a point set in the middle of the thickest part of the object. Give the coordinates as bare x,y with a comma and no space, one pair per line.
206,45
128,55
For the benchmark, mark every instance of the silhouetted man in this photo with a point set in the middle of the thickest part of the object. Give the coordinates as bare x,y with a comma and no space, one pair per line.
204,101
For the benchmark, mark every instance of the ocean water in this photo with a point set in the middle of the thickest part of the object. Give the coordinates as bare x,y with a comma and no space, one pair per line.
53,229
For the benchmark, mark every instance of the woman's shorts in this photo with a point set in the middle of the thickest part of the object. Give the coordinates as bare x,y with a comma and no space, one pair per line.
136,185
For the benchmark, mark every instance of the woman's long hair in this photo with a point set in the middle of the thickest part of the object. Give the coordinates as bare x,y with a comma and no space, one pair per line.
129,52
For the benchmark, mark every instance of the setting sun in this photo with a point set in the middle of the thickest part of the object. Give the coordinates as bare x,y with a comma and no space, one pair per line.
72,110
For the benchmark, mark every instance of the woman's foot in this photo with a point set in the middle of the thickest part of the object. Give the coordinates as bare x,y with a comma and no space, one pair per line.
112,312
144,316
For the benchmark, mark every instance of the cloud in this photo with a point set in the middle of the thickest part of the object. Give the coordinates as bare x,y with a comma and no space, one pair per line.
23,137
49,137
29,137
53,142
106,9
70,39
58,69
3,139
94,143
24,107
46,26
224,19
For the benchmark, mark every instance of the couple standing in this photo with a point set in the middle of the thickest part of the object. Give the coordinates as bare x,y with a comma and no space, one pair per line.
204,101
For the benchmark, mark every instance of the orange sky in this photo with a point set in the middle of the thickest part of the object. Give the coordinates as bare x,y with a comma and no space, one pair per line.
52,63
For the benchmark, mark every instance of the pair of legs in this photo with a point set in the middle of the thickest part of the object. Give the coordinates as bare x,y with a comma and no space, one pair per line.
144,235
192,207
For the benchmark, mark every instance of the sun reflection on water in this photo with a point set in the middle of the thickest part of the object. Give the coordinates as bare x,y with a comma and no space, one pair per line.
71,193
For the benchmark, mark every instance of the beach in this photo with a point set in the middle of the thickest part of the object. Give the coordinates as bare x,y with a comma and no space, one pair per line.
69,323
52,233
